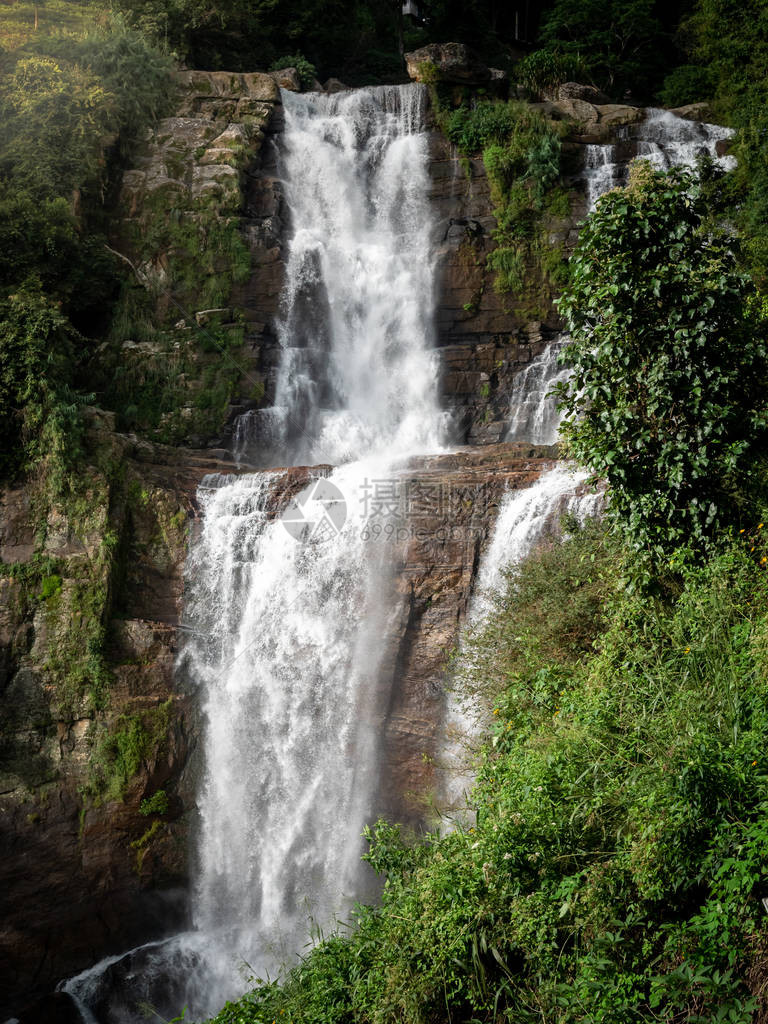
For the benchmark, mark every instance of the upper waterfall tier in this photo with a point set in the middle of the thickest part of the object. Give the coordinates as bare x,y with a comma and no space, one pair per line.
356,374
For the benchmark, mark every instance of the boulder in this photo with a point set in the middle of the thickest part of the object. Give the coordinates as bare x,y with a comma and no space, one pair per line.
576,91
334,85
616,114
287,78
448,62
578,110
694,112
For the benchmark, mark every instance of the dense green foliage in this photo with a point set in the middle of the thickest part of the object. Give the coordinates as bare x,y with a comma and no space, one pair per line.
615,869
70,103
667,400
731,40
521,154
617,40
543,70
37,403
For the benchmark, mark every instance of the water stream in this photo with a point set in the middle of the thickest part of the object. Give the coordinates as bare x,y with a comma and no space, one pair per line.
288,614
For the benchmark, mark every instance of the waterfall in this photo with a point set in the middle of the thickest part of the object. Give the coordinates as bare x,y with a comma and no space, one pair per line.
356,326
524,519
667,141
661,137
534,414
295,608
601,172
671,141
289,597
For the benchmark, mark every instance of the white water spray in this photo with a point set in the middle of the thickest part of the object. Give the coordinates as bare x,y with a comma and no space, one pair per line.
358,372
534,414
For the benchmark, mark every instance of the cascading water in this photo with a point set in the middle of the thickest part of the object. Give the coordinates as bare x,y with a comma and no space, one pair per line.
534,414
357,371
523,520
667,141
661,137
288,615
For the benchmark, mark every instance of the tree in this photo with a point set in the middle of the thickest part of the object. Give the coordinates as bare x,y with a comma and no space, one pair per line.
667,401
618,40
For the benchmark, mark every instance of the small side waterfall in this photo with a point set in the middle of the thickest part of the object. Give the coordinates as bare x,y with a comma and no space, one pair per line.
534,414
524,519
663,138
667,141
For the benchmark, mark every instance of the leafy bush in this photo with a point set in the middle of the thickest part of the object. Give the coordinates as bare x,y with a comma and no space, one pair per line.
542,71
689,83
521,154
619,41
667,398
732,41
119,752
305,69
39,411
156,804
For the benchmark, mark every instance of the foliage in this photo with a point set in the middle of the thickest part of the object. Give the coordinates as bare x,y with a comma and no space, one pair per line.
156,804
615,869
543,70
690,83
617,40
64,101
667,398
71,102
731,40
305,69
119,752
521,154
39,411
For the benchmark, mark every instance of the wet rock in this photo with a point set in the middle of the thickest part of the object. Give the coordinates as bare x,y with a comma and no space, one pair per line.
576,91
615,114
334,85
449,62
694,112
287,78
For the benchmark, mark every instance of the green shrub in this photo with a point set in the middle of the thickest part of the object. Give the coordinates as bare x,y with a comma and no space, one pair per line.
119,752
667,401
689,83
544,70
521,155
305,69
156,804
50,587
39,411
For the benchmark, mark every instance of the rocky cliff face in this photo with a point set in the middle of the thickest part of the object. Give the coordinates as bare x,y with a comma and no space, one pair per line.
96,734
92,721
